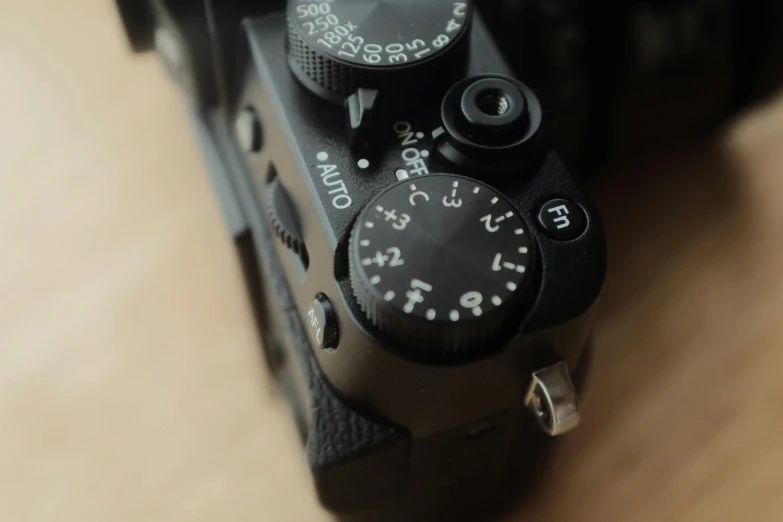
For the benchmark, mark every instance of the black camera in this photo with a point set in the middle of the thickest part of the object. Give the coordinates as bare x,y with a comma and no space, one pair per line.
423,264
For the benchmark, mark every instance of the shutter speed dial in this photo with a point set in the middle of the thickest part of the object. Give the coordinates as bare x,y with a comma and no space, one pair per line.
341,45
438,262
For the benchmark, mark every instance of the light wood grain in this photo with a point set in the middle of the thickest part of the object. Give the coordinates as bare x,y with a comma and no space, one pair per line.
131,384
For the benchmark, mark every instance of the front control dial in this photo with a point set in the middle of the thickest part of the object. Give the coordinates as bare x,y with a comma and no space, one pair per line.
438,262
341,45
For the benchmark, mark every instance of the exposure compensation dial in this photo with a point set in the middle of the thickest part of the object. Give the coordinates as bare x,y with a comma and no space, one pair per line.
438,262
403,45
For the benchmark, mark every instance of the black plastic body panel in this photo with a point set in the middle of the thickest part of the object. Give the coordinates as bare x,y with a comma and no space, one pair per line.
424,399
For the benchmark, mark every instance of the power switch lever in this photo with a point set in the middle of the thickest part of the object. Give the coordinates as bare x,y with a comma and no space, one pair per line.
362,116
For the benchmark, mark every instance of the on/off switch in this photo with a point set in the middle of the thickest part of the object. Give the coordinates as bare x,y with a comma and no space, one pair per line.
322,320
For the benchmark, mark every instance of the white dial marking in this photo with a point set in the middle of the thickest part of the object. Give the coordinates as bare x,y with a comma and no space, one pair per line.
523,250
431,314
476,190
379,208
511,286
363,163
520,269
477,311
389,295
402,174
418,193
454,315
494,200
497,301
364,242
366,262
414,296
496,263
322,156
519,231
380,259
369,224
374,280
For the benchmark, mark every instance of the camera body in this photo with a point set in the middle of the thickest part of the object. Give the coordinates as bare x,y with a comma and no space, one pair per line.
423,264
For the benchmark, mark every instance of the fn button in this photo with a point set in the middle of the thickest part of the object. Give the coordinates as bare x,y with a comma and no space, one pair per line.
562,220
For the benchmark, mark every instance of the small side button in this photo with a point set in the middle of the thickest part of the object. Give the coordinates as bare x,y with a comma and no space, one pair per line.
562,220
323,323
248,131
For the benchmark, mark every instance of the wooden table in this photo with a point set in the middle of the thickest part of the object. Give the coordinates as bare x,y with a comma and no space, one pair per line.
131,384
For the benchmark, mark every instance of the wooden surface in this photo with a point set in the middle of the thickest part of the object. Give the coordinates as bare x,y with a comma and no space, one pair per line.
131,385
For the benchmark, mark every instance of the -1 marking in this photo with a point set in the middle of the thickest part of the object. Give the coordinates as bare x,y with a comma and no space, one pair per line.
498,265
